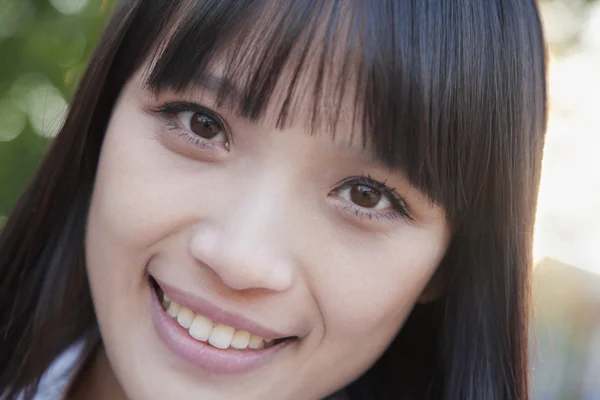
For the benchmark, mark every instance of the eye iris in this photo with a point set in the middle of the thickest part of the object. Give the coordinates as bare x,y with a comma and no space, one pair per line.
204,126
365,196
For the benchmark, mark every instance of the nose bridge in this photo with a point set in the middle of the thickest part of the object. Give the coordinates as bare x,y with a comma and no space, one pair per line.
259,208
245,244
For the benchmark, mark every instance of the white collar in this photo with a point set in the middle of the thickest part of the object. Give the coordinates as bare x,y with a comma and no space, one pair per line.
57,378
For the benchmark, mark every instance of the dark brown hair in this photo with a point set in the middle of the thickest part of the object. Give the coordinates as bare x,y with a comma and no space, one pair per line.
451,93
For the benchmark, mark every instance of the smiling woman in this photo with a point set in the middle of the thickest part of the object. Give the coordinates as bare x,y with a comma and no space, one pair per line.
288,200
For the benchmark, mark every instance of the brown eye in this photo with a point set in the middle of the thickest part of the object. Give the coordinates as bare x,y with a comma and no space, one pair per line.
203,125
364,196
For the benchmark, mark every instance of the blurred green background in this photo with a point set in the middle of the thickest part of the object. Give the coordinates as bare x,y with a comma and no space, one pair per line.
44,46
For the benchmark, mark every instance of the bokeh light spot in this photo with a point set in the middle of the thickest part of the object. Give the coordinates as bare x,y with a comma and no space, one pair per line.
12,120
47,110
70,7
23,86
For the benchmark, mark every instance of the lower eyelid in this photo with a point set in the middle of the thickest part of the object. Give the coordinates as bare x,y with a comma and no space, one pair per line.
376,215
178,133
361,213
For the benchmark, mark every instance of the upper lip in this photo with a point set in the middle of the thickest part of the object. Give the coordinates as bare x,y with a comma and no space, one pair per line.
217,315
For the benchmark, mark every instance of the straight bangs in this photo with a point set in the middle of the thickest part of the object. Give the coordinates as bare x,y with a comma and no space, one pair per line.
412,80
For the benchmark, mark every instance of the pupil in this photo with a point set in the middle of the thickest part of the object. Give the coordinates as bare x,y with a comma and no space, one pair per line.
204,126
365,196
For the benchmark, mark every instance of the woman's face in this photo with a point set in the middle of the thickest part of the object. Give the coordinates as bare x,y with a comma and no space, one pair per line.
291,260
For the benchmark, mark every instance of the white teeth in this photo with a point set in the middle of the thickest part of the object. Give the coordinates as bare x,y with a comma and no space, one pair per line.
240,340
201,328
185,317
173,309
221,336
255,342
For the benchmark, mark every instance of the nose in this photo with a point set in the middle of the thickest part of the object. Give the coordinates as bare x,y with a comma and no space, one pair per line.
245,242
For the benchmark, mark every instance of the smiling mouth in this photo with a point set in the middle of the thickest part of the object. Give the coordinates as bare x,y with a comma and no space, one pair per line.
217,335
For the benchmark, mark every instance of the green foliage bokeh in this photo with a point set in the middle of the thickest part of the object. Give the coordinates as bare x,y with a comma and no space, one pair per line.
41,41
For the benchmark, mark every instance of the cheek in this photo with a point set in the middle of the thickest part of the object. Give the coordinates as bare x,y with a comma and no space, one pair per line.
142,193
366,291
141,196
374,286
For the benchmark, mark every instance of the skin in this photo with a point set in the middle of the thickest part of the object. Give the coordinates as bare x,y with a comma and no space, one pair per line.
261,229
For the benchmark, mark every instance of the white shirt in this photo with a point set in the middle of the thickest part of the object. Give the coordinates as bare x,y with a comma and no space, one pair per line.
55,381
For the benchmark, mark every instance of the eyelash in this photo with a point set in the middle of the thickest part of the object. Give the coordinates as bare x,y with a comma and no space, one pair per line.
399,205
169,111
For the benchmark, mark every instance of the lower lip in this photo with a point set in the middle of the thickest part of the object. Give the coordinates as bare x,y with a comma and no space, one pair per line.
203,355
